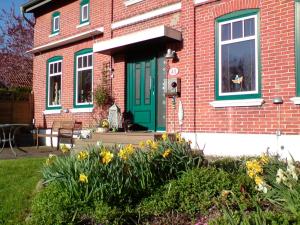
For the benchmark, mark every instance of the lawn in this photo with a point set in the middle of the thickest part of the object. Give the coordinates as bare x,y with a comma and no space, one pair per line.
18,179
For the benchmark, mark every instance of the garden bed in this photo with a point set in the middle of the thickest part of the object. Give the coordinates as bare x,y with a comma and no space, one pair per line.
164,182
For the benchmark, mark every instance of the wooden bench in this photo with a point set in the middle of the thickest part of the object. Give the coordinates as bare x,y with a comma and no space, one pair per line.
61,130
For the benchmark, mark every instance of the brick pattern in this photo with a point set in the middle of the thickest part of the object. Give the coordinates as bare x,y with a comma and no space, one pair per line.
196,62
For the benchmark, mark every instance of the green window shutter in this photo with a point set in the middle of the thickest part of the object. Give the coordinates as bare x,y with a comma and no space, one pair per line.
84,11
55,23
219,94
297,46
75,90
51,60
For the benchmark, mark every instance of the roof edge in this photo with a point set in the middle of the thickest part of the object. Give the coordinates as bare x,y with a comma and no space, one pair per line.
30,6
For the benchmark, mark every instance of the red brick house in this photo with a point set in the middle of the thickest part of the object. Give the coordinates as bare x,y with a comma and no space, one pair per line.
236,60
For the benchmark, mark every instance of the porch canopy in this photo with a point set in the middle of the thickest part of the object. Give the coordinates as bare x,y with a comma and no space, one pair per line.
113,45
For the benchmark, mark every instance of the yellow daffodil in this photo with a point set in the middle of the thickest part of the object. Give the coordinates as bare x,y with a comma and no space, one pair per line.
254,166
149,142
258,180
179,138
83,155
83,178
166,153
154,145
64,148
164,136
106,156
142,144
126,151
50,159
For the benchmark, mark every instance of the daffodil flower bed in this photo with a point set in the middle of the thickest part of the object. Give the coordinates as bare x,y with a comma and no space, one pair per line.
121,173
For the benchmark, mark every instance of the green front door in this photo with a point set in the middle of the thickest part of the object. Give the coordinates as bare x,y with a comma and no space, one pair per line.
141,93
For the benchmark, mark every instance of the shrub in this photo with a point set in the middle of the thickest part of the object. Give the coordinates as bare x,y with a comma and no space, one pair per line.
101,96
52,206
195,192
120,175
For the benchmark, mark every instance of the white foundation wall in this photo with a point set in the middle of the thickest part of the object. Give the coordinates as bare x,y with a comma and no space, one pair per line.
229,144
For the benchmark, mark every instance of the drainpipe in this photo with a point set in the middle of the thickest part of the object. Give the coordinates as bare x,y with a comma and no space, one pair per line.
26,19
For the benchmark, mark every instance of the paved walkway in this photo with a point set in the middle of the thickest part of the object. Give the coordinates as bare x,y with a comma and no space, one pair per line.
42,151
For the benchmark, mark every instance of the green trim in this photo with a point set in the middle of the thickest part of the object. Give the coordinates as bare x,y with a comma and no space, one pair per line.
54,15
228,17
53,59
83,3
297,46
81,52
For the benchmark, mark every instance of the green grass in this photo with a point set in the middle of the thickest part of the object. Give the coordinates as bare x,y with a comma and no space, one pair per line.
18,179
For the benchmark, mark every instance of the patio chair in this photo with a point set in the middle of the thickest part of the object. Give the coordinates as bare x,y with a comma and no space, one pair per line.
66,131
54,130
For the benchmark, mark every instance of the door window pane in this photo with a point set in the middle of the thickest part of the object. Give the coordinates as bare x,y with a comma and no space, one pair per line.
137,84
147,83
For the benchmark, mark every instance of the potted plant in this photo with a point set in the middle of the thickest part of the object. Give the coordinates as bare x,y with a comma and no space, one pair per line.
103,126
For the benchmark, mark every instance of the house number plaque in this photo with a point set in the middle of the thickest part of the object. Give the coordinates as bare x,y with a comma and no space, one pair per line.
173,71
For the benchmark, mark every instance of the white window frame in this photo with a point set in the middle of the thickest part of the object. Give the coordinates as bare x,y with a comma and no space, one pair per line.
52,75
220,43
82,69
87,13
54,29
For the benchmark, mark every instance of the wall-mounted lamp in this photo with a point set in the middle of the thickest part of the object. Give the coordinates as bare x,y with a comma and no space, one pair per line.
170,54
277,100
65,110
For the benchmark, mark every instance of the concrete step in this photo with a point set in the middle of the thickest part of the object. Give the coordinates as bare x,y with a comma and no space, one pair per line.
113,138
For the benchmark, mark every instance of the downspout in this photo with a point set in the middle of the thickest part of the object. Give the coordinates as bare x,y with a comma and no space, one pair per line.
26,19
111,57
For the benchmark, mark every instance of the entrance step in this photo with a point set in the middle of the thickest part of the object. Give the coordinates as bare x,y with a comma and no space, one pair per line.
114,138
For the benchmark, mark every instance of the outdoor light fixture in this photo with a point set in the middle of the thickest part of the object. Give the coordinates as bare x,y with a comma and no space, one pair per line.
170,54
277,100
65,110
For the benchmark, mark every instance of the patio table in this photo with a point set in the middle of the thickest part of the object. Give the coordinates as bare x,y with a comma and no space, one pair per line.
7,134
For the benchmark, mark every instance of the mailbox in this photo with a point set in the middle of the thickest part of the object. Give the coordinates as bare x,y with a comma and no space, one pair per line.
172,87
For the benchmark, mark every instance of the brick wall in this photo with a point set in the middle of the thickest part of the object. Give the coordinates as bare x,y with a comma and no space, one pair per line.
278,70
196,62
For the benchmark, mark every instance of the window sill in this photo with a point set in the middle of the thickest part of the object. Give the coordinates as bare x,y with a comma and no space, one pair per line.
230,103
51,111
131,2
296,100
200,1
53,35
83,24
82,110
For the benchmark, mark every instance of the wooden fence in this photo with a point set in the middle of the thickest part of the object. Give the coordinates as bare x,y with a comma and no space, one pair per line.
16,107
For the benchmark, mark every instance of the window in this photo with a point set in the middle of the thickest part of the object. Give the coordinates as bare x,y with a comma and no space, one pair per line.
84,78
84,11
54,75
237,56
55,23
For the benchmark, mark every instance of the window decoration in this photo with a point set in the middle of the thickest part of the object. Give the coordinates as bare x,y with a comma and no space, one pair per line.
237,58
54,77
84,78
